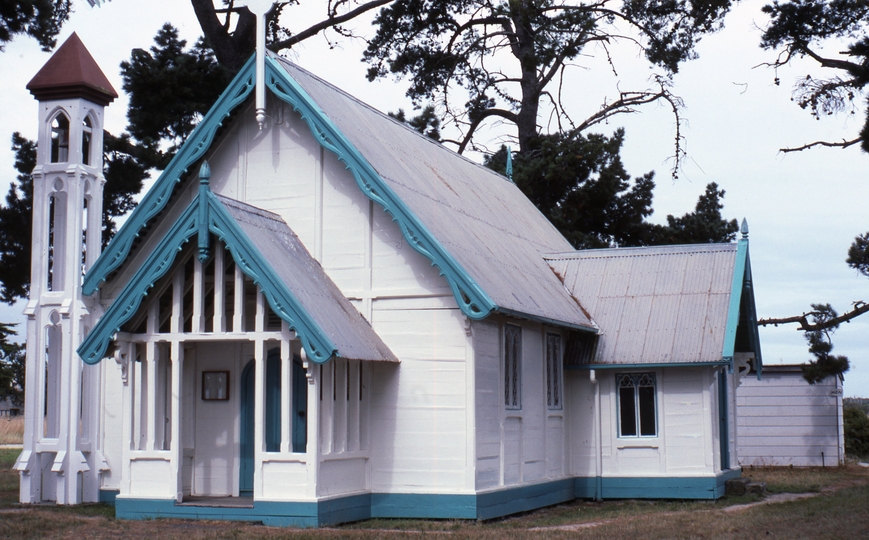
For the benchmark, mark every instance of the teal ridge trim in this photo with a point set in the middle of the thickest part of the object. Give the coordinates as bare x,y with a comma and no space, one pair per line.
156,198
736,287
587,367
471,298
318,346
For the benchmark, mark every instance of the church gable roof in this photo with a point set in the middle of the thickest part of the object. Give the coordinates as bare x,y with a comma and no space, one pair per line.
72,72
267,251
481,232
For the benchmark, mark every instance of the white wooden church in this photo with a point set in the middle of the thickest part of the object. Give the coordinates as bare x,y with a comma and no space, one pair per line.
317,315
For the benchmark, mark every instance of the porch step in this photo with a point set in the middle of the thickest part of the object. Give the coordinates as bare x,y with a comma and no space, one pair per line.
218,502
742,486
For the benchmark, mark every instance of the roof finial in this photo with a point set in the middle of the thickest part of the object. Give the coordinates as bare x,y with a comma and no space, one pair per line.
744,229
203,241
509,164
260,8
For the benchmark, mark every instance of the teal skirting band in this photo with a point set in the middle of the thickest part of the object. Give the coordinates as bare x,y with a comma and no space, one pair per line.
484,505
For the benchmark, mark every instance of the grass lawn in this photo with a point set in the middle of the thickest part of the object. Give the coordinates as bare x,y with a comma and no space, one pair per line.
837,509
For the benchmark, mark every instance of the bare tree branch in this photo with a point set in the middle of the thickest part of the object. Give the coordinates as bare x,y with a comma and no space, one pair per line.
327,23
860,308
843,144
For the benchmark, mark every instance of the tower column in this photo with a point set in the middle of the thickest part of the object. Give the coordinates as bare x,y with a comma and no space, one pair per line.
62,460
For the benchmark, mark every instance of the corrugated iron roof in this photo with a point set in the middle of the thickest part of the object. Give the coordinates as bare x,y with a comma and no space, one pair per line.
485,222
342,323
665,304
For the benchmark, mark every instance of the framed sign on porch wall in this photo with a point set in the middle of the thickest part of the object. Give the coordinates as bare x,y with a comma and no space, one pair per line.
215,385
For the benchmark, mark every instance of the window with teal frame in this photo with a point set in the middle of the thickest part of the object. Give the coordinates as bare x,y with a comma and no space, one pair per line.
638,415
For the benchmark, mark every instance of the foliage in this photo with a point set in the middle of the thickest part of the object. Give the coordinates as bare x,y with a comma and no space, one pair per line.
820,341
15,224
124,178
170,90
39,19
479,59
580,184
704,225
858,254
11,366
426,122
856,431
800,28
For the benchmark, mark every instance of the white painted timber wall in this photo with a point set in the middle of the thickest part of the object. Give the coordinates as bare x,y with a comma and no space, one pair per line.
687,441
516,446
419,440
784,421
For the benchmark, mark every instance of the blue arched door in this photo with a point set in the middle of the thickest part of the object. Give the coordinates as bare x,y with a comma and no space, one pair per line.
246,443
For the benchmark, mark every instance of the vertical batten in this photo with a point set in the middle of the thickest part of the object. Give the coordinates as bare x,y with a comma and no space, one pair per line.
238,301
149,409
198,291
259,356
176,444
260,324
177,324
219,324
135,410
286,385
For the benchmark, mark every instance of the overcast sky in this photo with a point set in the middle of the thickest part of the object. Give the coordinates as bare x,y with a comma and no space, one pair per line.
803,209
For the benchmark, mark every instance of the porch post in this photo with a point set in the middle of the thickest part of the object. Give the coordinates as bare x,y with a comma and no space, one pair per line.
259,399
258,415
150,361
312,456
286,377
176,445
127,412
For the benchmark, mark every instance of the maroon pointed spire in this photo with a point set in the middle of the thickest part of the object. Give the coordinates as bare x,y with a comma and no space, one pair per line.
72,72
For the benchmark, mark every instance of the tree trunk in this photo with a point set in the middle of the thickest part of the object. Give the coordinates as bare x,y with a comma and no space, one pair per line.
231,50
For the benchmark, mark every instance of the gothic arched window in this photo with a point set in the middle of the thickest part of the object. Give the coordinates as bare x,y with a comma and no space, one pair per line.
60,139
87,132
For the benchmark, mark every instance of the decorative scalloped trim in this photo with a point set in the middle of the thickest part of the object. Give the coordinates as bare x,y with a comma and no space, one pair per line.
156,198
318,346
472,300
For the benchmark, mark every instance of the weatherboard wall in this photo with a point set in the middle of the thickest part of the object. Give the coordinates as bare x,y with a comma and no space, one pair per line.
525,445
686,444
783,420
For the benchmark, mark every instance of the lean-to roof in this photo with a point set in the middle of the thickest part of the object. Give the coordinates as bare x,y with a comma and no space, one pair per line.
654,305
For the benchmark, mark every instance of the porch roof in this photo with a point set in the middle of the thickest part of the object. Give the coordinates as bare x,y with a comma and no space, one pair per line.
269,252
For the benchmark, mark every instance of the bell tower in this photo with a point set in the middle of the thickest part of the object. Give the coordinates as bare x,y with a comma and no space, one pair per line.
61,460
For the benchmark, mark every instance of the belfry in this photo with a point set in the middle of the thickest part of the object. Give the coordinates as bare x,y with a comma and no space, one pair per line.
61,461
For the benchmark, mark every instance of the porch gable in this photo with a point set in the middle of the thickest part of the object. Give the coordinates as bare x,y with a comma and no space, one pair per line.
267,251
